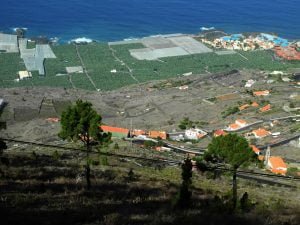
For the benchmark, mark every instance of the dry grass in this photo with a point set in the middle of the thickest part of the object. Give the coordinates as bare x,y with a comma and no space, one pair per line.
45,191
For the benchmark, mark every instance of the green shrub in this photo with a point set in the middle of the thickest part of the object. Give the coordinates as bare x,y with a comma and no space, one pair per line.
56,155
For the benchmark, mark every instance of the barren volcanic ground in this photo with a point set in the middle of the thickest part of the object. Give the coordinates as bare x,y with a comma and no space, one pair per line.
154,105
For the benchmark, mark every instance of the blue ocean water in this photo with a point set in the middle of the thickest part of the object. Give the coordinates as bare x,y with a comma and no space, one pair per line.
107,20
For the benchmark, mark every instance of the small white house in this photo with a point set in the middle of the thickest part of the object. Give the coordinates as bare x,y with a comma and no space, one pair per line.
277,73
237,125
241,123
184,87
194,134
24,74
249,83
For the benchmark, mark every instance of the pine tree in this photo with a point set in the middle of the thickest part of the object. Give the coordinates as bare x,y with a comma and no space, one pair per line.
81,122
233,150
185,193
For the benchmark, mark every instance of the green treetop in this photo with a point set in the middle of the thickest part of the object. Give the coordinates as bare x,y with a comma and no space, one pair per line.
82,122
233,150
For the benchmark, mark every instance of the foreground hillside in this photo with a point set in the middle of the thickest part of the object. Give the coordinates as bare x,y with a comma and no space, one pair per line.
46,186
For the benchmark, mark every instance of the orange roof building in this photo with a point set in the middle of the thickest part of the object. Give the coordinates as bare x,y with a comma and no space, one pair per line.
288,53
254,104
158,134
261,93
265,108
116,131
255,149
237,125
277,165
241,123
53,119
243,107
218,133
233,126
261,133
136,132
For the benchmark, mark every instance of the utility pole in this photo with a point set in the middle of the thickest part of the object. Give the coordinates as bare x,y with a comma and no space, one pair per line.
131,132
267,156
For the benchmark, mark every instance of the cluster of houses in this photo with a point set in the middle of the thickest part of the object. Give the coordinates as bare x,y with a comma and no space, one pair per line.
239,124
265,108
124,132
190,134
240,42
288,53
273,163
281,47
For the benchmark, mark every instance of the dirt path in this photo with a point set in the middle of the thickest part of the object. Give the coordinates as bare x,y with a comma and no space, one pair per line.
71,82
123,63
84,69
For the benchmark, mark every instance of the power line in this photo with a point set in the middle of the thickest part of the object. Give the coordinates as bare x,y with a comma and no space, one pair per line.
255,173
161,160
92,151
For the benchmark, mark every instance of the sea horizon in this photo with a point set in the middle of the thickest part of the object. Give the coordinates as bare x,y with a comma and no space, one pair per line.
114,20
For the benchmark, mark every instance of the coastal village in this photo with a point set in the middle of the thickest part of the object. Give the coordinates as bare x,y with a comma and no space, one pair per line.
262,41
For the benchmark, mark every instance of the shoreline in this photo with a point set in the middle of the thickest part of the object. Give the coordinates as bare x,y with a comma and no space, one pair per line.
88,39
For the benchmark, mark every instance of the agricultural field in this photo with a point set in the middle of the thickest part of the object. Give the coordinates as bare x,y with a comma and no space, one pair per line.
10,64
100,60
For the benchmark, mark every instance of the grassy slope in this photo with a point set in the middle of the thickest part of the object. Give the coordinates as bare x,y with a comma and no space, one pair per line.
41,188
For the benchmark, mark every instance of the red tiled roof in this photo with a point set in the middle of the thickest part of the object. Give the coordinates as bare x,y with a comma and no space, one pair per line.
53,119
234,126
277,165
289,53
261,93
255,149
218,133
242,107
138,132
265,108
156,134
261,132
254,104
114,129
241,121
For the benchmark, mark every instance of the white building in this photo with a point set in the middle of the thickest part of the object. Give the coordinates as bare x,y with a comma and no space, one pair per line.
237,125
249,83
194,134
241,123
24,74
